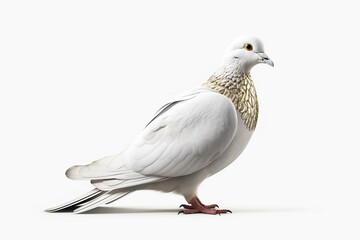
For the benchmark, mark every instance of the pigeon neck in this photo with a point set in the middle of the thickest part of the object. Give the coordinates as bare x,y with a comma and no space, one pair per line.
240,89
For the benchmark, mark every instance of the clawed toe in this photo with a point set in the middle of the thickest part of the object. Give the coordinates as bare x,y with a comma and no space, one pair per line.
186,206
196,206
205,206
223,211
212,206
205,211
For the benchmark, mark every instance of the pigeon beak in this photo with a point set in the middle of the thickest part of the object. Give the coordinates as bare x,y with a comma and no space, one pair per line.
266,59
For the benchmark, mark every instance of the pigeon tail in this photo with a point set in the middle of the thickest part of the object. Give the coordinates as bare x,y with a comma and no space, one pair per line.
90,200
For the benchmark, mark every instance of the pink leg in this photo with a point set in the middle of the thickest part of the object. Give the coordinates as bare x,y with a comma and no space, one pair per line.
195,198
196,206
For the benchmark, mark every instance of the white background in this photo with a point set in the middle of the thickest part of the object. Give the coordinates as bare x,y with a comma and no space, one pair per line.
80,79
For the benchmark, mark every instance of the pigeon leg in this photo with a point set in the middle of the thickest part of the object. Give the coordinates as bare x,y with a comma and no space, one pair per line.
199,202
196,206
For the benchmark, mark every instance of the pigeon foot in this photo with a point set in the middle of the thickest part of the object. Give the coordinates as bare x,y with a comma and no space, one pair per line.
196,206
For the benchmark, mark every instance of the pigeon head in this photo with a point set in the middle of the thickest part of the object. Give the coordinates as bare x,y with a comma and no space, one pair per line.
245,52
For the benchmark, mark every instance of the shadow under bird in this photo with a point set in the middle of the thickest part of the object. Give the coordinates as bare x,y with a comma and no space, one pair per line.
189,139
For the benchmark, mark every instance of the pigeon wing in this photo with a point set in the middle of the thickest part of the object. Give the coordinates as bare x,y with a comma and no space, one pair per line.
184,137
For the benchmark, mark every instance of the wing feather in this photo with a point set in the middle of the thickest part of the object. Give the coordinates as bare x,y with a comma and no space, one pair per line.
185,138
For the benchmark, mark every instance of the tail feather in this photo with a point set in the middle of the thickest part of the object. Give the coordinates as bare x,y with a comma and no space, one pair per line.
90,200
77,201
106,198
118,197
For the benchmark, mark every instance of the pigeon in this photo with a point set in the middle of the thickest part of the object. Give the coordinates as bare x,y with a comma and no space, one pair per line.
189,139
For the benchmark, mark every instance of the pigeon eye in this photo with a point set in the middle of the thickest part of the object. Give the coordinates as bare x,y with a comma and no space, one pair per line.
248,47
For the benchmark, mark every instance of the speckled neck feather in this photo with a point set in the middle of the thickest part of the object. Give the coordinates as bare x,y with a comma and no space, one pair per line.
240,89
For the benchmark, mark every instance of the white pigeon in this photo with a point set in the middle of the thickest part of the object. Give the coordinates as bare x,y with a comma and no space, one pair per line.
190,138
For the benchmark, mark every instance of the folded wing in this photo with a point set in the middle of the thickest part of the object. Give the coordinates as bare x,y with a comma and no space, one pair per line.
185,136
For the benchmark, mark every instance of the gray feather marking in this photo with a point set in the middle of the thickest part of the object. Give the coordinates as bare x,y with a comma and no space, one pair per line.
92,194
108,197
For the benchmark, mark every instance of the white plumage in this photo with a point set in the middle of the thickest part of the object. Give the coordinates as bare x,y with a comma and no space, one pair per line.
189,139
